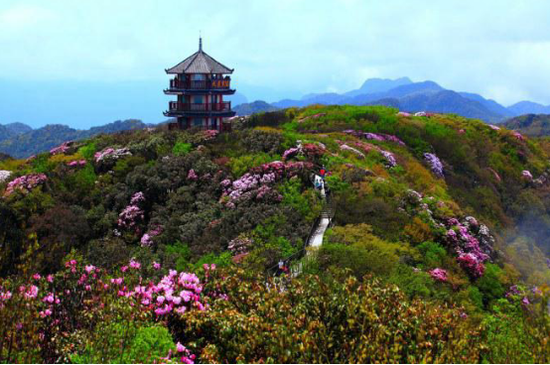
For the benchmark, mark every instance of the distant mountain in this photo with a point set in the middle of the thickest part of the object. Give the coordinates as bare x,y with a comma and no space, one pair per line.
410,96
18,128
528,107
372,86
237,99
257,106
31,141
534,125
448,101
490,104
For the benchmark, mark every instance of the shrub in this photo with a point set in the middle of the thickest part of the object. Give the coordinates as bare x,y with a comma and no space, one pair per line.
181,148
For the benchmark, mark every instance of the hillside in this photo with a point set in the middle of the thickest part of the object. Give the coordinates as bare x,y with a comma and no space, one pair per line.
534,125
437,249
21,141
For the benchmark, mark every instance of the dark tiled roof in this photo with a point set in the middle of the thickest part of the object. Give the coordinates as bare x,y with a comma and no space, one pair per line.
199,62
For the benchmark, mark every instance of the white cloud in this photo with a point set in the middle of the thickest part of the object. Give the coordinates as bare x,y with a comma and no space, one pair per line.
280,48
21,17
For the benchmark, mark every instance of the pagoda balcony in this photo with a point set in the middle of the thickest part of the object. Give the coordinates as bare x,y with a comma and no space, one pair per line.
223,84
175,106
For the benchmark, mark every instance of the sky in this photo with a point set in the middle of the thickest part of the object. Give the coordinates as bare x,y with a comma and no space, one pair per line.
89,62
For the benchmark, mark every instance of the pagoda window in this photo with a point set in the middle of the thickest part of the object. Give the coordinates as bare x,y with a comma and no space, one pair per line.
198,77
197,122
197,99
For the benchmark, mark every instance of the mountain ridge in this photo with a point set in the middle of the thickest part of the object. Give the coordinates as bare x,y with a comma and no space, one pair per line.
412,96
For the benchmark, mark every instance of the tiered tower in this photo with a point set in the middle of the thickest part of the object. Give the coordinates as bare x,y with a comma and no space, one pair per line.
200,82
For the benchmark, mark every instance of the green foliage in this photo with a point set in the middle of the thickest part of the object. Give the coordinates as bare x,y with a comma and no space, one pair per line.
240,165
490,283
125,343
88,150
433,254
181,148
314,321
411,282
510,337
221,260
177,256
306,204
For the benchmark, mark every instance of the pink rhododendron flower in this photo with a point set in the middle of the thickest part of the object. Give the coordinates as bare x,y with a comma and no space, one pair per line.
135,264
25,183
156,265
192,175
49,298
31,292
439,274
518,136
110,154
527,175
45,313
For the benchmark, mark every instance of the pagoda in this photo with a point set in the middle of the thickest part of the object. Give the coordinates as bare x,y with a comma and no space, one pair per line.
200,82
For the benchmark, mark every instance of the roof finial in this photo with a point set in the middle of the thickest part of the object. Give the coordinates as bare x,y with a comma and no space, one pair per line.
200,41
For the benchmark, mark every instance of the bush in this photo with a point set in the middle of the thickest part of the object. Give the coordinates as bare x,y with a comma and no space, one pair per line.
181,148
124,343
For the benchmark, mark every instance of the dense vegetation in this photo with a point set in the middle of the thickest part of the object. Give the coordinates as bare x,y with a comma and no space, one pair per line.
534,125
21,141
157,245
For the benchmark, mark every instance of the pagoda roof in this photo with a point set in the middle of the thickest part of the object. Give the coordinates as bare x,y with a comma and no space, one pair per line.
200,63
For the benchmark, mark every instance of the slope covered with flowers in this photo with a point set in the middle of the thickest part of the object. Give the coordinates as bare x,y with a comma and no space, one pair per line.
438,238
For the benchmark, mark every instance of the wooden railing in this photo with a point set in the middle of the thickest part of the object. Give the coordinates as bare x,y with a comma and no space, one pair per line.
200,84
195,107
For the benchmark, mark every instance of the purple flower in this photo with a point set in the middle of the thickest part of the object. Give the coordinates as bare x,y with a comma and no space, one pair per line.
435,164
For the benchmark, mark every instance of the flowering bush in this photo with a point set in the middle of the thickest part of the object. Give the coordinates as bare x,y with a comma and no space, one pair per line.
390,158
518,136
76,163
290,153
191,175
25,183
132,214
472,242
438,274
62,148
435,164
59,309
307,321
345,147
111,154
4,175
527,175
381,137
147,238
